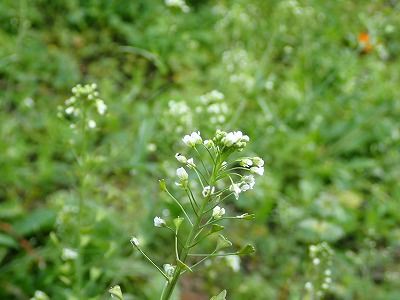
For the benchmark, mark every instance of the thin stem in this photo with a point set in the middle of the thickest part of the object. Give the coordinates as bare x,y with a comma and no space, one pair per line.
198,172
212,158
149,259
214,254
180,206
201,161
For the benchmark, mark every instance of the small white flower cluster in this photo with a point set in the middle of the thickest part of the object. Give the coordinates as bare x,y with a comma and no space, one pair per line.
255,164
212,103
240,67
181,4
180,113
321,257
247,183
84,97
234,139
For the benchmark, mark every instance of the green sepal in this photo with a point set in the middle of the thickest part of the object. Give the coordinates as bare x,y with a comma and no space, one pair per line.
220,296
246,250
216,228
223,242
116,292
183,265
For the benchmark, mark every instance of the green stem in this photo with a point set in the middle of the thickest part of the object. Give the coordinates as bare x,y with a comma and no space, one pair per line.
196,227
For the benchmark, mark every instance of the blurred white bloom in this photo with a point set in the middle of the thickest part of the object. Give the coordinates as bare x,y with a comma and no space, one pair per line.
69,110
308,286
28,102
169,270
234,262
92,124
182,174
257,170
39,295
151,147
192,139
181,158
101,106
218,212
179,4
235,188
316,261
159,222
328,272
207,191
69,254
134,241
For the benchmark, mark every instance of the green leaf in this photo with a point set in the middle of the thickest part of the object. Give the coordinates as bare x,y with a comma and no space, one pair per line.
34,222
220,296
116,292
7,241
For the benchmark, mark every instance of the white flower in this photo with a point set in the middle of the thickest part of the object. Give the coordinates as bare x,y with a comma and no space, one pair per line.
182,174
192,139
92,124
169,270
207,191
101,106
191,163
69,254
248,183
246,162
234,262
257,170
179,157
134,241
218,212
258,161
235,188
316,261
159,222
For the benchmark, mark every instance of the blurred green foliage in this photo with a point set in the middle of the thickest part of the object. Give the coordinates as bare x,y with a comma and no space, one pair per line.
319,102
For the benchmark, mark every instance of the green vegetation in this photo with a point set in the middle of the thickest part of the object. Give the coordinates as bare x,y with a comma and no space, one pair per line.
313,83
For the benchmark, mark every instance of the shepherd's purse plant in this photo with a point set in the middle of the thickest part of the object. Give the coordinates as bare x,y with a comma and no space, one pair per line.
208,181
